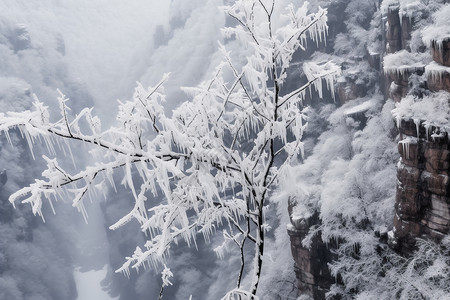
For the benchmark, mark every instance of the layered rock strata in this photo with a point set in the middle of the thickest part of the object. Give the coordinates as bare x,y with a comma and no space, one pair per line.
422,202
422,205
311,263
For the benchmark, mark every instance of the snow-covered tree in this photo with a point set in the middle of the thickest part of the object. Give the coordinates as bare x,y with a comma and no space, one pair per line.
215,160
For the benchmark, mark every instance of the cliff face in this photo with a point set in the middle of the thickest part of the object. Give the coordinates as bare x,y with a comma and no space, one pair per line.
411,72
422,204
311,263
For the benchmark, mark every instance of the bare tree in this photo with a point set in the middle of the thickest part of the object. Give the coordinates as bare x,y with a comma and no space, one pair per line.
215,160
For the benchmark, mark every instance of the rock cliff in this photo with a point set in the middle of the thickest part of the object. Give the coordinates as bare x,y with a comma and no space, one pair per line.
412,70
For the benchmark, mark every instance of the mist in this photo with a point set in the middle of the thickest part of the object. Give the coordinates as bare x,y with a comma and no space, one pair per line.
94,52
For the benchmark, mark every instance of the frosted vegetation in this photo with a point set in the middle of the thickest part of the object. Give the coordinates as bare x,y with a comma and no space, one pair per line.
27,247
407,8
439,31
218,171
432,111
358,166
350,179
404,62
215,160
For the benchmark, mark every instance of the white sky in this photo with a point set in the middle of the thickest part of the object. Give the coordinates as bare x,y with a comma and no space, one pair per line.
109,43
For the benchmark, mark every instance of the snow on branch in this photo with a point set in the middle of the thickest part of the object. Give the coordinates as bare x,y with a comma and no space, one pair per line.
239,294
211,164
317,73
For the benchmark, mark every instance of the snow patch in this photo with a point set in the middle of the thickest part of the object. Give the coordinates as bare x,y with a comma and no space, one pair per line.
404,62
361,108
407,8
432,111
439,31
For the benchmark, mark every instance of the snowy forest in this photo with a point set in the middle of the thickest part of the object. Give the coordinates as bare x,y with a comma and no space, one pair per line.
224,149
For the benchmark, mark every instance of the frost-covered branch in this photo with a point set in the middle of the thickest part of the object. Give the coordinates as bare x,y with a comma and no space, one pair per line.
165,275
210,165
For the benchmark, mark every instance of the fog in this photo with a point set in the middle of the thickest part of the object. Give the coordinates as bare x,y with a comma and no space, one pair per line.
94,52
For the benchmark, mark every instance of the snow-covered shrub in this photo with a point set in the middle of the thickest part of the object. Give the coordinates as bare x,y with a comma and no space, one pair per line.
350,179
431,111
423,276
440,29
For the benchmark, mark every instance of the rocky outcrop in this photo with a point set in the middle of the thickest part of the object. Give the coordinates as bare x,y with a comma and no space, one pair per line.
352,88
438,72
398,33
394,30
311,263
399,27
439,82
398,83
440,51
422,204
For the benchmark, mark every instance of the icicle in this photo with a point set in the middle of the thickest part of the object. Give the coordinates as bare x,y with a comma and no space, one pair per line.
81,208
398,118
51,205
427,128
71,155
406,145
8,138
417,122
29,142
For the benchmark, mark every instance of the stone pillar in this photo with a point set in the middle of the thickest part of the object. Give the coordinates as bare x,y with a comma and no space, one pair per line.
441,52
311,263
398,35
393,30
438,75
422,203
352,88
406,32
399,83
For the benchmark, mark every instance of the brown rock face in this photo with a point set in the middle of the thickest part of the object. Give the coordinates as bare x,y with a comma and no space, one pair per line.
441,52
406,32
311,263
398,90
374,60
437,160
422,202
439,83
399,82
350,90
394,31
398,35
